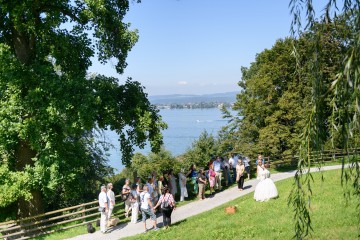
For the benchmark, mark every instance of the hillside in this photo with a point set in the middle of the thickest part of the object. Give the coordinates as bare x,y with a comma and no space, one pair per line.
228,97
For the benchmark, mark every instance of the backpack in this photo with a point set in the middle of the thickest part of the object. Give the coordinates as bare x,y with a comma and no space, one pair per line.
166,203
133,198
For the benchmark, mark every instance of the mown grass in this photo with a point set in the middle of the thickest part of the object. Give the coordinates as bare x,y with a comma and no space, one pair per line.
332,217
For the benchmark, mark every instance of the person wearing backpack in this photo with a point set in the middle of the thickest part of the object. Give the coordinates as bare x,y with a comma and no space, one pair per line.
167,205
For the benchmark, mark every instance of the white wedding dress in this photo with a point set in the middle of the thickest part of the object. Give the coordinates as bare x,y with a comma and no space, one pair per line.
266,188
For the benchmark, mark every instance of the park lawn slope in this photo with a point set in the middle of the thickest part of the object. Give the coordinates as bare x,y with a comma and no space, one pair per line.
332,217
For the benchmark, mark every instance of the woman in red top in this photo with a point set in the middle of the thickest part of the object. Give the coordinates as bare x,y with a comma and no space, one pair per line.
167,203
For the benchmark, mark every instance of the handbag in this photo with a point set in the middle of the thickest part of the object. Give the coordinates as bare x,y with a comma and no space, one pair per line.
124,197
101,209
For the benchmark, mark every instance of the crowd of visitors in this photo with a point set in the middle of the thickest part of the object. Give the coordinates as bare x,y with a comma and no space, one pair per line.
158,193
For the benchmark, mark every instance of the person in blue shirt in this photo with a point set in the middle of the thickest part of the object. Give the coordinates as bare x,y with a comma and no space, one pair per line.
193,175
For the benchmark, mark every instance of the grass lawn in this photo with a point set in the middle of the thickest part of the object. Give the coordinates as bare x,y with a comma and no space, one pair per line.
331,218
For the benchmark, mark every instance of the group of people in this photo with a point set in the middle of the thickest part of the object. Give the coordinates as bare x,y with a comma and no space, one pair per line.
159,193
233,169
145,199
106,205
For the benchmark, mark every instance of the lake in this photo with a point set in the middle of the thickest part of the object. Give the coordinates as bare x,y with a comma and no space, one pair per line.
184,127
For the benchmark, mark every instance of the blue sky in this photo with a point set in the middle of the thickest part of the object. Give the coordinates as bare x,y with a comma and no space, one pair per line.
199,46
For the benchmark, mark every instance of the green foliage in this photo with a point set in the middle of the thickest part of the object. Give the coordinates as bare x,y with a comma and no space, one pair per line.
143,166
201,151
338,102
275,100
51,112
272,104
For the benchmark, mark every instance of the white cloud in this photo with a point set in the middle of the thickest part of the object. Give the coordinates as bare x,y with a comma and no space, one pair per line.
182,83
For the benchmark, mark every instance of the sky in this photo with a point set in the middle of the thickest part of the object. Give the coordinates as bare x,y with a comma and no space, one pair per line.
199,46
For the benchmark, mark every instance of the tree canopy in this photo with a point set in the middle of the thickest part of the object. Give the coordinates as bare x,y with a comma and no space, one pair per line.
51,108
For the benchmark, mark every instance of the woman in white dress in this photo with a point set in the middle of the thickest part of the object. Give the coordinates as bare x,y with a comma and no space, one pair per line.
134,199
266,188
182,184
173,186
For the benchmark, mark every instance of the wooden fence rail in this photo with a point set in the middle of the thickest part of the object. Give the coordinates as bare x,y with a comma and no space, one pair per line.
292,160
53,221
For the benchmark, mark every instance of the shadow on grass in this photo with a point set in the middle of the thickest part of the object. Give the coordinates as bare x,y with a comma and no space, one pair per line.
179,222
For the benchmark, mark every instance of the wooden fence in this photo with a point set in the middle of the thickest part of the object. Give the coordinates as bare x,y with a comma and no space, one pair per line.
324,156
54,221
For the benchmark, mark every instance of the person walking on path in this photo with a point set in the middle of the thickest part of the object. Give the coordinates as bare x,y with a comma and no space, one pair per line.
217,168
139,186
134,199
182,184
226,167
193,175
111,196
233,162
246,162
126,193
167,205
266,188
103,208
240,169
160,184
173,186
202,184
212,176
147,208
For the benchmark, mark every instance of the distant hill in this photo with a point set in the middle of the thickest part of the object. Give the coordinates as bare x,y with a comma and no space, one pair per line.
228,97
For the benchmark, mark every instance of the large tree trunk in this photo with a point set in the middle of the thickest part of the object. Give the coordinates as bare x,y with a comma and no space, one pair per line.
24,46
34,206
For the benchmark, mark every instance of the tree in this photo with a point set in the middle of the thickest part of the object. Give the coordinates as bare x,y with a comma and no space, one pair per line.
201,151
272,104
50,107
343,95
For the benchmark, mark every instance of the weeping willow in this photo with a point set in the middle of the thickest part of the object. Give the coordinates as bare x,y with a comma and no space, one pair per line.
342,127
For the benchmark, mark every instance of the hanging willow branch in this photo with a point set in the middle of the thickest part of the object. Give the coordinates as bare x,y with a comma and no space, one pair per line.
343,125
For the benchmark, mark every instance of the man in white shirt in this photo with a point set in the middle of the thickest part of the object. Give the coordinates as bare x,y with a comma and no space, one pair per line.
103,205
111,196
233,162
147,207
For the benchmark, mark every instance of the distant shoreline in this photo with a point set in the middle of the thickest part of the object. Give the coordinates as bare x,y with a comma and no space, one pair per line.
201,105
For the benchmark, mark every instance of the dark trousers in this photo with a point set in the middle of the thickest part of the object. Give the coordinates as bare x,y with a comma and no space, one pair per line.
166,212
241,182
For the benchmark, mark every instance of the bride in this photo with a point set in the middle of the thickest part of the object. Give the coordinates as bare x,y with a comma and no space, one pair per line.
266,188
